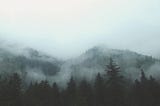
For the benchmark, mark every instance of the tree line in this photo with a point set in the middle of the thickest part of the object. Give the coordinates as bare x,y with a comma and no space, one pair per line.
113,89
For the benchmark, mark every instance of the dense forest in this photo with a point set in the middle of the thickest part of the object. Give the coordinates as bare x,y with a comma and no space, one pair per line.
111,89
33,65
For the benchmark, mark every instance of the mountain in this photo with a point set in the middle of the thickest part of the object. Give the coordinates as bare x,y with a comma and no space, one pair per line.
30,64
95,60
34,65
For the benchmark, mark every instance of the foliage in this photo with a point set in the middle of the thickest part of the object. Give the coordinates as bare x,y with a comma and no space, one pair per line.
109,90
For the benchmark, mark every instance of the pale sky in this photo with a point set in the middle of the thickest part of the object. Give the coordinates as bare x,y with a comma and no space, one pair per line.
67,28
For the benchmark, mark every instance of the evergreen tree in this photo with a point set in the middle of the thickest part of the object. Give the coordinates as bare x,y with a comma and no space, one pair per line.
71,93
39,94
15,90
99,91
146,91
4,97
154,89
85,94
30,95
11,91
115,85
55,96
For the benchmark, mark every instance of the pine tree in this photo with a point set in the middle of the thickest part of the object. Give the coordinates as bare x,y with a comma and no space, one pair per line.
99,91
85,94
55,95
30,98
4,97
39,94
15,83
146,91
11,91
71,93
154,89
115,85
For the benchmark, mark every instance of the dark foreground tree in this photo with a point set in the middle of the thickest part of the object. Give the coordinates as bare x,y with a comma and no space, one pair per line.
115,86
99,91
85,94
71,93
38,94
55,99
146,92
106,91
11,91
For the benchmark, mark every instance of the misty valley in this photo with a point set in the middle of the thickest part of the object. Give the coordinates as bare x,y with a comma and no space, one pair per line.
99,77
79,52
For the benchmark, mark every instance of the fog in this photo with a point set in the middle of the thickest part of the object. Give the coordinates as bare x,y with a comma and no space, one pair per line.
66,29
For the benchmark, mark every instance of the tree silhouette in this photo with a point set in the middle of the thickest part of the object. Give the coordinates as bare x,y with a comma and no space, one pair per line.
99,91
10,91
85,94
146,91
109,90
71,93
115,85
55,98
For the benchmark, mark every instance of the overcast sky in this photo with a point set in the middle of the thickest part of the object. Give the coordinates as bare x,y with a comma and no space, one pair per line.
67,28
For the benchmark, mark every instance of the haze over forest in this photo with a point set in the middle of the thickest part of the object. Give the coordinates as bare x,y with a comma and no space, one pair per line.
66,29
79,52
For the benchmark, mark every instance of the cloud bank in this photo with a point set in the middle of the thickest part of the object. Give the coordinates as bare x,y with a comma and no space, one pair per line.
66,28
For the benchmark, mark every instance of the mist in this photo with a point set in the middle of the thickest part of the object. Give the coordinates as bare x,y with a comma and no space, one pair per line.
79,52
67,29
